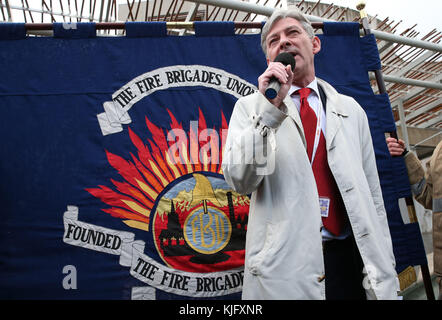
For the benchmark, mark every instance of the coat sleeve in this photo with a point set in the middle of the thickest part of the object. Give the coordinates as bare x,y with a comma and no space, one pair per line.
249,153
421,183
371,174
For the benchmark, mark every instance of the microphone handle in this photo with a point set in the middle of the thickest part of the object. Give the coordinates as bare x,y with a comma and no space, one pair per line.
272,89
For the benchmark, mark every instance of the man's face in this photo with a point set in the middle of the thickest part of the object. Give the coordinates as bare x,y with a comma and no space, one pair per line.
287,35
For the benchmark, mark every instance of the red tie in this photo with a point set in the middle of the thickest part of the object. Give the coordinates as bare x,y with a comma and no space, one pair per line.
309,120
325,182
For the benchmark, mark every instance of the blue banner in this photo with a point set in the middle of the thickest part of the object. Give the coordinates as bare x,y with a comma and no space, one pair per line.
111,181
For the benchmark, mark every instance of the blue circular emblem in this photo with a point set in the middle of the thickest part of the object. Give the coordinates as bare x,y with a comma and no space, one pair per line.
207,229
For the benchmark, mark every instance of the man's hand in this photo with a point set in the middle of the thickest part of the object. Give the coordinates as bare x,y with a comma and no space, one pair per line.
395,147
284,75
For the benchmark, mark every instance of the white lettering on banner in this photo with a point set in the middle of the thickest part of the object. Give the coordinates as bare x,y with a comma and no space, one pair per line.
144,268
93,237
116,111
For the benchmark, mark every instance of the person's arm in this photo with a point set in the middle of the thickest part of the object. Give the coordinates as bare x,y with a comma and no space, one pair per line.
421,183
249,153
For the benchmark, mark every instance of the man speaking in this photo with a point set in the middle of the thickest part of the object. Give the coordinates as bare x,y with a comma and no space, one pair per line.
317,225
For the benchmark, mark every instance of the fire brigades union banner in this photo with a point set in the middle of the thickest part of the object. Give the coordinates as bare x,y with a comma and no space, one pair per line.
114,144
110,174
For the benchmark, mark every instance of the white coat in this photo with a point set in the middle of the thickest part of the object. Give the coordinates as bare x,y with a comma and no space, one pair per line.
284,258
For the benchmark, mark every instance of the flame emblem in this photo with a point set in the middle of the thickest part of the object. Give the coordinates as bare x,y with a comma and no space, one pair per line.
198,224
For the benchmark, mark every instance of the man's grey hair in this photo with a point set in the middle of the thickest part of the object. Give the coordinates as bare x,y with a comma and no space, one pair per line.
278,14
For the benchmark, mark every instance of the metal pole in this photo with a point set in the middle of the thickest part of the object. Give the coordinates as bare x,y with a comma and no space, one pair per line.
403,123
190,16
412,82
169,25
367,30
407,41
426,139
408,200
42,11
8,9
267,11
238,5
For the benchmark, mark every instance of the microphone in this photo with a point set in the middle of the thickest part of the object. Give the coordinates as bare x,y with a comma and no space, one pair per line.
273,88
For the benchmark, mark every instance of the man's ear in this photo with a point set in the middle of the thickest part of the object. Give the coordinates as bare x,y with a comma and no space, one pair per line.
268,60
316,45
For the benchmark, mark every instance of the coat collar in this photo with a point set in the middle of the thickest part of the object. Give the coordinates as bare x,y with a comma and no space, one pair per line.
332,99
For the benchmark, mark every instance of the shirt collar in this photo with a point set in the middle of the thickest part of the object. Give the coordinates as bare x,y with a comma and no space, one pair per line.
312,85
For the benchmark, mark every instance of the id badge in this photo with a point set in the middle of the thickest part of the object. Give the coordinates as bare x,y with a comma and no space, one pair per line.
324,204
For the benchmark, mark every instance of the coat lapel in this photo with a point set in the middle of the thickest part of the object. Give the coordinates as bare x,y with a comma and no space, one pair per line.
333,126
334,114
294,114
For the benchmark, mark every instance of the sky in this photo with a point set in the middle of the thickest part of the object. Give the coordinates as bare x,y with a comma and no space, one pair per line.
425,13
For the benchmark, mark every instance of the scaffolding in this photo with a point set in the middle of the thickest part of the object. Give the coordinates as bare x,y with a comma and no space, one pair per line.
411,63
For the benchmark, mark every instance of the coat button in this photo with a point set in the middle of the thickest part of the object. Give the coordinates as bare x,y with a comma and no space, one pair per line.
254,271
321,278
264,131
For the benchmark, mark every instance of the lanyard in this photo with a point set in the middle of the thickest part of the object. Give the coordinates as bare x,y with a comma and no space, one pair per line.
317,134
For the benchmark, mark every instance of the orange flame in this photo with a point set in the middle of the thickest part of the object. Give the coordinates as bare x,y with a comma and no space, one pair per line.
152,169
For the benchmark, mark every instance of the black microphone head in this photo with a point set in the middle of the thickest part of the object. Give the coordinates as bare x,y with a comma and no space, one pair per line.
286,59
